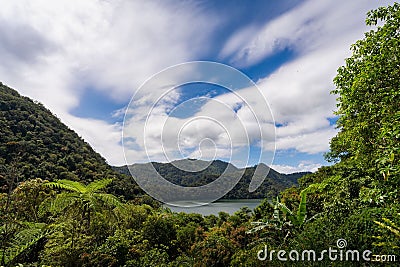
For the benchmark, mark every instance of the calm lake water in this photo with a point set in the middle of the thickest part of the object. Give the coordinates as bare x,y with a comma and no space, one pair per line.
227,205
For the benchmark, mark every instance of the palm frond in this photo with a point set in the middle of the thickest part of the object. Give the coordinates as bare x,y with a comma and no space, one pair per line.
289,214
259,225
256,229
276,214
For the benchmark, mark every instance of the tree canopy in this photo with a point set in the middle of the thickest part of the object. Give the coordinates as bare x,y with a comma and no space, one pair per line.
368,87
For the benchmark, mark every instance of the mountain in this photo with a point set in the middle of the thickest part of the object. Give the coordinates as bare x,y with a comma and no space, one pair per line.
191,173
34,143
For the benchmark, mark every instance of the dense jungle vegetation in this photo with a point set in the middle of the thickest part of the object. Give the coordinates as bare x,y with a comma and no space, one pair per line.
62,205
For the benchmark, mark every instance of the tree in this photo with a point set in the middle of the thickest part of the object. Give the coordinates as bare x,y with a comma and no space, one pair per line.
368,87
81,222
159,230
363,186
22,232
215,250
83,198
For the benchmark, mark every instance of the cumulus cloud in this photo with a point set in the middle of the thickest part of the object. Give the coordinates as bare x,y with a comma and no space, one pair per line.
103,137
229,124
320,33
53,50
305,28
299,95
301,167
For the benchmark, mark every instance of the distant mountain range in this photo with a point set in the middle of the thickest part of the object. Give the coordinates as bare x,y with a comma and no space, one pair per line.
193,173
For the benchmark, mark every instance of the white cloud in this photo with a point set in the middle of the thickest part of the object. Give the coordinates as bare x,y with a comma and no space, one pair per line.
216,122
301,167
299,95
305,28
230,121
320,33
238,40
53,50
103,137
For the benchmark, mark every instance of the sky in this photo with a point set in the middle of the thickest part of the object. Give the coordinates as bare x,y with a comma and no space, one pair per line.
90,61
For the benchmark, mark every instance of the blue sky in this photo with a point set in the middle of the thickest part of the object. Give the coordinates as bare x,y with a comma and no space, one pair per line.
86,59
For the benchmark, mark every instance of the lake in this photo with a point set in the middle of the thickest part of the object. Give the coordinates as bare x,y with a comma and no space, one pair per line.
227,205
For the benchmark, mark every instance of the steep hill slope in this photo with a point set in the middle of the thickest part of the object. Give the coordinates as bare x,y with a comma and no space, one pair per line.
36,144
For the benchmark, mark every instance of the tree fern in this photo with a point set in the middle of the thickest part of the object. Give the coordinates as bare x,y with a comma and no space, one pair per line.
108,199
62,201
99,185
84,199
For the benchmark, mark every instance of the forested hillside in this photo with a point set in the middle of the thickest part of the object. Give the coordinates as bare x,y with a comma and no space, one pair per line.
35,144
274,183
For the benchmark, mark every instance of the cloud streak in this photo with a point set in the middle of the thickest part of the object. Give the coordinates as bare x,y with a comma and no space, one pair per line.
320,33
53,51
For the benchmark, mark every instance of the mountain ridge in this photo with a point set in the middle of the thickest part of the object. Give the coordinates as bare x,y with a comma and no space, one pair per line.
273,183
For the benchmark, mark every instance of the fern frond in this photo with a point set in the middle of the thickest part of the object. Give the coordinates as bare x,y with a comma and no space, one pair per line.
67,185
62,201
108,199
391,226
24,240
98,185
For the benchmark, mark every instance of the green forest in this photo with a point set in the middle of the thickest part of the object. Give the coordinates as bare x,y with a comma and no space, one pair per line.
61,204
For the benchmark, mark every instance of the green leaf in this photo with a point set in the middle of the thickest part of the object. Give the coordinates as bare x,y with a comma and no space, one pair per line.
302,211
